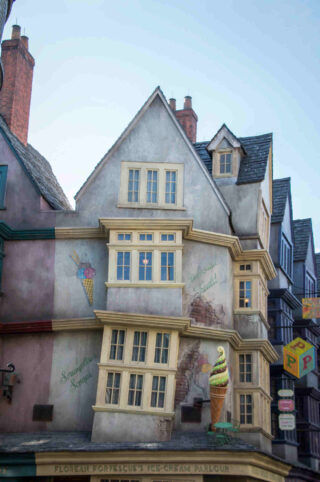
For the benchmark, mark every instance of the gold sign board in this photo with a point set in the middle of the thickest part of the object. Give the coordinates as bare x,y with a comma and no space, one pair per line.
310,308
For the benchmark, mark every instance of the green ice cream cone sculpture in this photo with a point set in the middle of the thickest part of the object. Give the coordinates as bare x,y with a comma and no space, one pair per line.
218,381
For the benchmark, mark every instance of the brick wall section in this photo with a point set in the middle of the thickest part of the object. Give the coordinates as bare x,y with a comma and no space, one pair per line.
15,96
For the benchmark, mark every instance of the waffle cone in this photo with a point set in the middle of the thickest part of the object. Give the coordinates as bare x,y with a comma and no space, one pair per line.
88,286
217,396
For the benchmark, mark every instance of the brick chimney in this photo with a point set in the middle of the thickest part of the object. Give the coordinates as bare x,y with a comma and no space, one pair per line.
15,95
188,118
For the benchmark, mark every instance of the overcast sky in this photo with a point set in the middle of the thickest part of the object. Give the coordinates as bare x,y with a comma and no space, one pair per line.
253,64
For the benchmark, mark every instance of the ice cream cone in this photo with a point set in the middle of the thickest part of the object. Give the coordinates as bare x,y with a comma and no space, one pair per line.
217,396
88,286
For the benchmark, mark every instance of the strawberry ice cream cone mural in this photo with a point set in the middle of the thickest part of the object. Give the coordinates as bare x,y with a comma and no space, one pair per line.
218,381
85,274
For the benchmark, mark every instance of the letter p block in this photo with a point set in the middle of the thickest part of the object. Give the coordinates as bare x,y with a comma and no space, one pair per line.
299,357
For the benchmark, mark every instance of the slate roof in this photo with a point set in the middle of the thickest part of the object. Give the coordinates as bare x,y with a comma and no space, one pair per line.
280,192
38,169
302,229
253,164
81,441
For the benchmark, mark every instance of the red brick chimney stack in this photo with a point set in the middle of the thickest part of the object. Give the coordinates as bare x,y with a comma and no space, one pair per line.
15,96
188,118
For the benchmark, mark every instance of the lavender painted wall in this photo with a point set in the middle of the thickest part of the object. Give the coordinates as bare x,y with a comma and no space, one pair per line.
22,200
32,357
27,281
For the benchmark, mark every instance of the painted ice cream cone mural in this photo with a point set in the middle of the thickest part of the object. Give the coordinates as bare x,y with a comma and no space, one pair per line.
218,381
85,274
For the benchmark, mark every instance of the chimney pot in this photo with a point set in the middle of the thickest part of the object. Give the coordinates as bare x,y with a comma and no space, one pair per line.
172,103
25,41
16,31
187,102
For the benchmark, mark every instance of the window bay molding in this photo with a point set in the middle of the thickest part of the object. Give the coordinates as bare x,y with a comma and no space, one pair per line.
151,185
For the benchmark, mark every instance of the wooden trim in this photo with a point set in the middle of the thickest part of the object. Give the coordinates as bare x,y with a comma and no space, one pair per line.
135,319
75,324
149,284
109,409
25,327
79,233
9,234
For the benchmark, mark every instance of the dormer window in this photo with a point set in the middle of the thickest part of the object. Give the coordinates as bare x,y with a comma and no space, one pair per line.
226,163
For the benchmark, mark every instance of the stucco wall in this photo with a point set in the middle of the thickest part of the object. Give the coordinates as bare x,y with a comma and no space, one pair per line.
27,281
208,278
73,381
155,138
32,357
243,202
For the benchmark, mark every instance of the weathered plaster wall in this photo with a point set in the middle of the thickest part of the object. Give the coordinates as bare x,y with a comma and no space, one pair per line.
243,202
73,382
195,363
22,200
155,138
27,281
114,427
74,261
32,357
152,301
208,278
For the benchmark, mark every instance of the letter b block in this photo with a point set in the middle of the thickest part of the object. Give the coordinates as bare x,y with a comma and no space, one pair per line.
299,357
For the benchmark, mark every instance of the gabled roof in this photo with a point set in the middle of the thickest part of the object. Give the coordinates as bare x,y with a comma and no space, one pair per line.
253,165
223,132
37,168
156,93
302,230
280,192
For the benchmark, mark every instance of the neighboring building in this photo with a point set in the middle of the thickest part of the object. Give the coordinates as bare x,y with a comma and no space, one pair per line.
307,388
112,314
281,303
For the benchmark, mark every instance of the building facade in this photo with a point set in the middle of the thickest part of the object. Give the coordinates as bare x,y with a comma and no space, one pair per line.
114,322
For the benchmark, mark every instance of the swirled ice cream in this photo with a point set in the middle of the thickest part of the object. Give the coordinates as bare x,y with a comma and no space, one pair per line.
219,377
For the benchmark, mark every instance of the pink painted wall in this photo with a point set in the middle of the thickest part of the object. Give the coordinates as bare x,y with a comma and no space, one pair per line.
27,281
32,357
22,200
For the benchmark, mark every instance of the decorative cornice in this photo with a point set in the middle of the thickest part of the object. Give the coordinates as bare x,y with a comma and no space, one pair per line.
287,296
76,324
9,234
261,255
135,319
146,223
218,239
79,233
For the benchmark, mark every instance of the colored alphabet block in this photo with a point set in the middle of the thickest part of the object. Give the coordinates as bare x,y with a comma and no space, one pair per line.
299,357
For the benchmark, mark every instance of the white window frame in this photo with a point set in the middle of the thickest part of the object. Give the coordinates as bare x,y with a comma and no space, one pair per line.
144,167
135,246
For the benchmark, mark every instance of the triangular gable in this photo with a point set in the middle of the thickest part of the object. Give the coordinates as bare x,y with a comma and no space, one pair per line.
157,93
223,133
